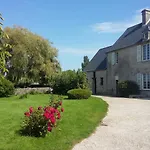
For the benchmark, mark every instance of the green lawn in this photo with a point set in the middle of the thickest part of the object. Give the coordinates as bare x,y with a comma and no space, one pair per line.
79,120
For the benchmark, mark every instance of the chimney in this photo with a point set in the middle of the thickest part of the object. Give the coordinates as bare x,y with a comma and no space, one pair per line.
145,16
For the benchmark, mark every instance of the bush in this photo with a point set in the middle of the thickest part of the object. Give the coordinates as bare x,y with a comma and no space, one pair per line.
23,96
127,88
55,101
6,87
41,120
68,80
34,92
79,94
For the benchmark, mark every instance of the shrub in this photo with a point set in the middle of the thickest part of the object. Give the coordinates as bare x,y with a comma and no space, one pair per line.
55,101
79,94
68,80
6,87
127,88
41,120
34,92
23,96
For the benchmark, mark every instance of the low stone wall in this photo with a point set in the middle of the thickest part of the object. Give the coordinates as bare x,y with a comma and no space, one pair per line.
20,91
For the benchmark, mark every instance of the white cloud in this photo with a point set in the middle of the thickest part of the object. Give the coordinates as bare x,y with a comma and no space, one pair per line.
78,51
119,26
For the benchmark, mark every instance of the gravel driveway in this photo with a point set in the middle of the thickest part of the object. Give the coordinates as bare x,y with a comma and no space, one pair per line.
128,127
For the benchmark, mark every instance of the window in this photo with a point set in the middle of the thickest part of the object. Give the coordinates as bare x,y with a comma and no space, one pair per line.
116,57
146,81
146,52
102,81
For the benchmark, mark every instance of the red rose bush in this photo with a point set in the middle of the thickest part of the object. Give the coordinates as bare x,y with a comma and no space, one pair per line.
39,121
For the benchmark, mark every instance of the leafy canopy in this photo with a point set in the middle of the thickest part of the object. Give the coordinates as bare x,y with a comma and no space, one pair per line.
85,62
34,59
4,48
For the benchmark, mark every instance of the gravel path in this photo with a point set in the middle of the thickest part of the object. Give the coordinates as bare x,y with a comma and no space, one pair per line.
128,127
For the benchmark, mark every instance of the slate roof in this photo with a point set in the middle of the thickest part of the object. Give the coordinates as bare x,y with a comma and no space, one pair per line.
132,36
99,61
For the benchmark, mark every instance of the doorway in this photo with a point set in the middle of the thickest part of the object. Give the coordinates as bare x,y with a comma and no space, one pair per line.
117,90
94,83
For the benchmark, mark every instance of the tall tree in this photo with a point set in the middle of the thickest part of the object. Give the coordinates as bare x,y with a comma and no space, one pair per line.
4,48
85,62
34,59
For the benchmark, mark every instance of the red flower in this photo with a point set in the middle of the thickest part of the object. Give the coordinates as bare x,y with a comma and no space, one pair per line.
31,109
58,116
46,115
62,109
49,129
39,108
60,103
52,110
27,114
57,112
49,124
53,120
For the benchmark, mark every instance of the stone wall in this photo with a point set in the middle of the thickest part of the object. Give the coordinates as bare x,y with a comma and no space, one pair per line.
126,69
101,89
20,91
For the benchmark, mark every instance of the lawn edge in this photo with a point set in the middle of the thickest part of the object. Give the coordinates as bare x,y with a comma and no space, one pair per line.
98,125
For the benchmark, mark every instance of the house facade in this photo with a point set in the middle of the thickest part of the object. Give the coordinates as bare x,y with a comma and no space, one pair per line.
127,59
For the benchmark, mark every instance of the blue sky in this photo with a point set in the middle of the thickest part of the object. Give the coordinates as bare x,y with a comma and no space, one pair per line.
76,27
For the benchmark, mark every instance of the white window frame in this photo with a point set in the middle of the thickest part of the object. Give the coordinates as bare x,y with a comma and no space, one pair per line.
147,74
146,52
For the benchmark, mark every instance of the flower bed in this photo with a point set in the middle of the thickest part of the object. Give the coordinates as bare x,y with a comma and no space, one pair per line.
39,121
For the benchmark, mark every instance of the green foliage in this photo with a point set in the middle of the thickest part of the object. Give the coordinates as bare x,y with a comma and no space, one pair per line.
41,120
6,87
79,94
38,57
4,49
34,92
68,80
85,62
35,125
127,88
23,96
55,101
79,120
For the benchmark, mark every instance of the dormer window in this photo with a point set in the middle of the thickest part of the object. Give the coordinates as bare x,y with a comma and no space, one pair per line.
145,36
146,33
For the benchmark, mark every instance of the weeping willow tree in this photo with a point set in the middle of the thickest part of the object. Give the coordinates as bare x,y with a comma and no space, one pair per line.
4,48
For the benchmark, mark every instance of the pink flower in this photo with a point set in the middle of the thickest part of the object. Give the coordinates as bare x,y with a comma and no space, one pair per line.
46,115
31,109
58,116
53,120
49,124
49,128
52,110
27,114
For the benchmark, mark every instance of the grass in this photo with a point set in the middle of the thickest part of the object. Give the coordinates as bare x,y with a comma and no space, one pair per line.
79,120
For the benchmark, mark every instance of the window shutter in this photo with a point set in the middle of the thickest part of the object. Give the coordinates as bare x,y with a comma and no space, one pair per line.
139,53
113,58
139,80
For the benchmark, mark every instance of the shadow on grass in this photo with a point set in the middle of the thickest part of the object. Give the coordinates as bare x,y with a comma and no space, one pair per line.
66,98
25,134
